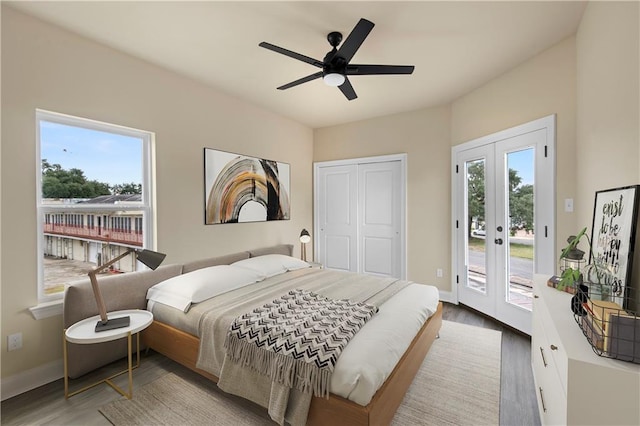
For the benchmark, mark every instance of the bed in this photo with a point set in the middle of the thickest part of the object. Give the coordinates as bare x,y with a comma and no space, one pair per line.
178,335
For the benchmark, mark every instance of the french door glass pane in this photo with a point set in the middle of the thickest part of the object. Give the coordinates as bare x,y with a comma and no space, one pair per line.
520,165
476,232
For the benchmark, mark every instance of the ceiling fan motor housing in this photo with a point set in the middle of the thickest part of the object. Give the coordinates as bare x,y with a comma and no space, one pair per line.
336,66
334,38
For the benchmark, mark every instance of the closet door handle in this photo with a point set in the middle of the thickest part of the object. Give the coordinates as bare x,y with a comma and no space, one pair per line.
544,408
544,361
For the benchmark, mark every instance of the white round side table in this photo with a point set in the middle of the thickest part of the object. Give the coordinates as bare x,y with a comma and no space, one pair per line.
83,333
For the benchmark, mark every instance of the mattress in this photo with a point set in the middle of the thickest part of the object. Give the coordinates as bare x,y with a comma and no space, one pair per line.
372,353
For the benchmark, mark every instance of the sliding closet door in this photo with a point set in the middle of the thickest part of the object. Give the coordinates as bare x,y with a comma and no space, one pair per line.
379,196
359,215
337,217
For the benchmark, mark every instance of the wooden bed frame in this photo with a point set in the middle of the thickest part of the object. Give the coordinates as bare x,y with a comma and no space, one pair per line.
183,348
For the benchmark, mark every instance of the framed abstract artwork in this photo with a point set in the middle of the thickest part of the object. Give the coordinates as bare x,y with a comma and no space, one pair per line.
239,188
615,215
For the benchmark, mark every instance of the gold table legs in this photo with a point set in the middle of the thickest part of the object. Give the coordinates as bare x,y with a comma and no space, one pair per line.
108,380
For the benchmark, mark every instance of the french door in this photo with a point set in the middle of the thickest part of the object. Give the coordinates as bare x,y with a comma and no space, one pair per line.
504,206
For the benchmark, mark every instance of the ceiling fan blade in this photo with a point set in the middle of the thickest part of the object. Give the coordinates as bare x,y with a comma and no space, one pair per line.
355,39
378,69
301,80
291,54
347,89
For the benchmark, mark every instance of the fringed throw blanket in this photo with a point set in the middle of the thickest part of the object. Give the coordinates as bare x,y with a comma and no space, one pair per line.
297,339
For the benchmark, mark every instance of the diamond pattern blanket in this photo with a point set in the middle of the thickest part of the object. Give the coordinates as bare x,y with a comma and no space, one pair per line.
297,339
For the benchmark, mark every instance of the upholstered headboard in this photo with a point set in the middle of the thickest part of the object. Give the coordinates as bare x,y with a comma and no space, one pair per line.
213,261
286,249
128,291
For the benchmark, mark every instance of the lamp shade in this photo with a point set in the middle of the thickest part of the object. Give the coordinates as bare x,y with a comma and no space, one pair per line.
304,236
152,259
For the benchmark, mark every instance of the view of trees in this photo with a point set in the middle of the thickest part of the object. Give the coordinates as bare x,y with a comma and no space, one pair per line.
60,183
520,198
127,188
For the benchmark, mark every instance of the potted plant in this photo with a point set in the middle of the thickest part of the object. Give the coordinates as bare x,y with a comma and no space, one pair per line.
570,259
595,275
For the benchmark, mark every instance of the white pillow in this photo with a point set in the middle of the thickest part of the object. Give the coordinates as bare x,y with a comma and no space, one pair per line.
272,264
202,284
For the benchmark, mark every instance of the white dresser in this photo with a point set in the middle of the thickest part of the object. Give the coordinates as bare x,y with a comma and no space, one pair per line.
575,386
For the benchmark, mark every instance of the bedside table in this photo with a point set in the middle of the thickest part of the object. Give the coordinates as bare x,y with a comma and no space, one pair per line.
83,333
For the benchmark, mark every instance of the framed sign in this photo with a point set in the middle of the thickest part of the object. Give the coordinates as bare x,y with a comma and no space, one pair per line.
239,188
613,237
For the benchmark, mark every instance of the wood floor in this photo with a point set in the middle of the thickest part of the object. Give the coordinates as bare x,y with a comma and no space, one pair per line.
46,405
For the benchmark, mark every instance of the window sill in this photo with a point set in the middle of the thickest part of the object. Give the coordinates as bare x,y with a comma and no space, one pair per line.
47,309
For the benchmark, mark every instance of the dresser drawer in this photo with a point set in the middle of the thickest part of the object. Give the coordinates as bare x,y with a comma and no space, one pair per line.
549,344
576,387
552,399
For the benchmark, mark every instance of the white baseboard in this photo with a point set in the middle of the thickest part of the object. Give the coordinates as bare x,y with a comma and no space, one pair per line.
31,379
447,296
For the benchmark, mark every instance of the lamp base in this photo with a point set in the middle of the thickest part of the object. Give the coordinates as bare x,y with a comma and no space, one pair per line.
112,323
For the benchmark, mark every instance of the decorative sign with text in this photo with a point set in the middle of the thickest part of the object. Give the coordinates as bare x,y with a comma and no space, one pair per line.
613,235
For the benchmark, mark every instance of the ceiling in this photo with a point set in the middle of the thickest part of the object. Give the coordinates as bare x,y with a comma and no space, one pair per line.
455,46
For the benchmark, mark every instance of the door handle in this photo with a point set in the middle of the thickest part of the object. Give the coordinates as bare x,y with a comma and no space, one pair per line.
544,360
498,241
544,407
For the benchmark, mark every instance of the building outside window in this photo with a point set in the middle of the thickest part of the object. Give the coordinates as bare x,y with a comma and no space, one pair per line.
95,188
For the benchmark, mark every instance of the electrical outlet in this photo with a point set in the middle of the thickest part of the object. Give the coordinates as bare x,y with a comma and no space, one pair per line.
439,272
14,341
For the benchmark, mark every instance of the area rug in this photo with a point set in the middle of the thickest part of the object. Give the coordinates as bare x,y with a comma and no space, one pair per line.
457,384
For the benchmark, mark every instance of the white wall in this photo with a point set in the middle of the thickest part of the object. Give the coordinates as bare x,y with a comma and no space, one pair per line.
49,68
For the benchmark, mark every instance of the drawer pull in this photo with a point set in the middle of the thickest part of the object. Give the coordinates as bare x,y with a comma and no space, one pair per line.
544,408
535,296
544,361
554,347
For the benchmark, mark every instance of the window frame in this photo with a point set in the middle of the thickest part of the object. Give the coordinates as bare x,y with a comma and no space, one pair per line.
146,206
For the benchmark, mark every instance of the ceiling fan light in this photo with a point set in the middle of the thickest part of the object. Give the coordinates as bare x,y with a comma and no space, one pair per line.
333,79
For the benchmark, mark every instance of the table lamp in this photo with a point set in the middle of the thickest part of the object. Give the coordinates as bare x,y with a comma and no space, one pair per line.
304,239
149,258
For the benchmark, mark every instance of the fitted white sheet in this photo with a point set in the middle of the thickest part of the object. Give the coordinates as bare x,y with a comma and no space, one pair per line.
374,351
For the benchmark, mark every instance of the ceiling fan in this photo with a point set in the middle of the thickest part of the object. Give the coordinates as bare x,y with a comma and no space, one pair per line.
335,66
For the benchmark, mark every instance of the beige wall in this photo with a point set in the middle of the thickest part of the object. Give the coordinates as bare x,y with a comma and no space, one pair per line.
590,82
544,85
608,111
608,126
541,86
45,67
424,136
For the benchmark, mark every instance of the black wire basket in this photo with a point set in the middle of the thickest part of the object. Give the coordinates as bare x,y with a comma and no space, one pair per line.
609,322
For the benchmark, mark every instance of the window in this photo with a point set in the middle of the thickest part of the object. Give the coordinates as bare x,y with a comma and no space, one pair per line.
93,181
